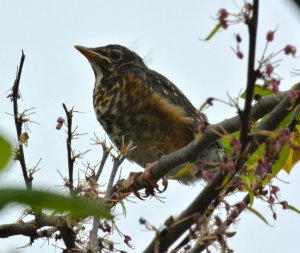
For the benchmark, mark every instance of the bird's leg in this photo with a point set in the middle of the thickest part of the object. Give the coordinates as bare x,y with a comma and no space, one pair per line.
147,175
146,178
130,183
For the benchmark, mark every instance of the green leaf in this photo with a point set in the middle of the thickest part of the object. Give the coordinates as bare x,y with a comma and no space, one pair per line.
293,209
258,154
284,153
259,90
258,214
280,162
226,141
247,185
184,170
213,32
39,200
294,153
5,149
296,86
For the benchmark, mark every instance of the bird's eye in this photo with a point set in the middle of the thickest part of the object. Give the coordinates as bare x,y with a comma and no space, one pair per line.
115,55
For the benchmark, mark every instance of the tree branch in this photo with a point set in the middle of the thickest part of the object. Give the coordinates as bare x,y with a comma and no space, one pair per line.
212,133
19,122
28,228
103,161
251,76
41,220
169,235
109,191
71,159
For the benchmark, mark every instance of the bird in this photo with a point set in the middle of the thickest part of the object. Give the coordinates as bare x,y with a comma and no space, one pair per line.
135,104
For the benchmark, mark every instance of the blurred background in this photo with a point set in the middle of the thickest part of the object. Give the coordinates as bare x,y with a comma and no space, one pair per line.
167,34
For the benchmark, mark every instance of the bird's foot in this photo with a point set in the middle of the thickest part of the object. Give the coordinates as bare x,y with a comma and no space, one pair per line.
146,179
150,181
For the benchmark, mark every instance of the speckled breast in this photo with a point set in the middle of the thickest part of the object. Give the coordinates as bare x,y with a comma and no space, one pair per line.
130,112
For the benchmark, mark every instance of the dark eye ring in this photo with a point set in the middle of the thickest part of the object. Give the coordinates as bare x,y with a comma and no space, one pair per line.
115,55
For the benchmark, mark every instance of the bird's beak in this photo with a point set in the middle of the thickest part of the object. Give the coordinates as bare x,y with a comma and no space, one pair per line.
90,54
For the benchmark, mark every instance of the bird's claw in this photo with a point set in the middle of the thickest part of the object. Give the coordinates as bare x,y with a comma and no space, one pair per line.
148,180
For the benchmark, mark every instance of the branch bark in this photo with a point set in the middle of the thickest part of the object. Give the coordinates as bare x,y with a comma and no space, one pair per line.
212,133
71,159
19,122
168,236
28,228
251,76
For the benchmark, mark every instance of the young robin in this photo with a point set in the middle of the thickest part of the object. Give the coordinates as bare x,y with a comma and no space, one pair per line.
136,104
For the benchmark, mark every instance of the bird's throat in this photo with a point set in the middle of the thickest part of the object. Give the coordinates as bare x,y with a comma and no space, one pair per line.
98,74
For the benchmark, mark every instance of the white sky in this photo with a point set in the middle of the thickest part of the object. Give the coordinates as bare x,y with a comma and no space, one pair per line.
166,33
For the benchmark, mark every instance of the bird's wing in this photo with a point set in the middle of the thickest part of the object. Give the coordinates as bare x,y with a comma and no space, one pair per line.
169,91
164,86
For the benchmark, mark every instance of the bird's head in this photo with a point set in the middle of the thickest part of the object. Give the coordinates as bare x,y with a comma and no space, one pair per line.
105,60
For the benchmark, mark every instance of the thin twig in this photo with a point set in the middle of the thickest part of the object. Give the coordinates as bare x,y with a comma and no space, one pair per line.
28,228
103,161
109,190
117,162
251,77
19,123
202,221
71,159
168,236
200,247
213,132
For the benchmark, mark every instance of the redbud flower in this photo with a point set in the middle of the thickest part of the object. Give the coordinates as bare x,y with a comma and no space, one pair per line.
223,13
271,200
202,128
60,121
240,206
284,204
284,135
218,221
293,94
289,49
127,239
209,101
142,221
239,54
269,69
224,24
274,189
270,36
275,85
236,144
207,175
238,38
230,167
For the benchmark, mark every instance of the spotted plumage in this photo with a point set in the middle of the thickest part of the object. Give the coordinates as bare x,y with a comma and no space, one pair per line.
135,103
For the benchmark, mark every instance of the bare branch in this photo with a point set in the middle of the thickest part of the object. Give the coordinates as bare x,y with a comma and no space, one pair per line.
68,235
71,159
251,76
117,162
109,191
28,228
19,122
105,153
